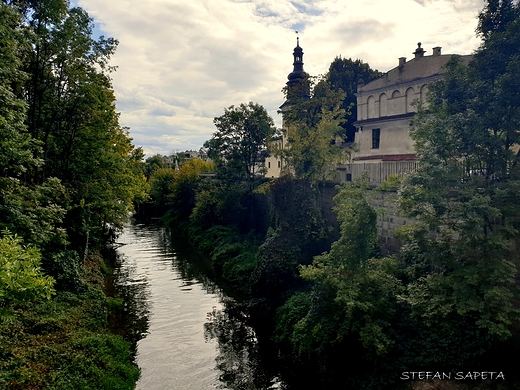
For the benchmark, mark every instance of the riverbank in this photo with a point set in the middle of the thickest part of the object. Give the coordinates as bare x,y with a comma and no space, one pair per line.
344,315
65,342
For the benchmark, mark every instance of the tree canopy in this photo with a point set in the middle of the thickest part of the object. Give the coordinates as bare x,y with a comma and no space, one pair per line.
68,170
466,190
312,127
240,144
345,74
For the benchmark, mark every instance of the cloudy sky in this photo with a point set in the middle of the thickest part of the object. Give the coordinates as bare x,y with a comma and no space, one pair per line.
180,63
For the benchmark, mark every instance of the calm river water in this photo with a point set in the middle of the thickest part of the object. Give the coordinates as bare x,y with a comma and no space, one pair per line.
188,334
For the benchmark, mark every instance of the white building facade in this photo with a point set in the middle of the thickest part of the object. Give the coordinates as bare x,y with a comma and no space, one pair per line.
383,145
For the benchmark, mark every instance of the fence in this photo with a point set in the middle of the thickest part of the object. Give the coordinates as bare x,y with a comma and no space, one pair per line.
379,172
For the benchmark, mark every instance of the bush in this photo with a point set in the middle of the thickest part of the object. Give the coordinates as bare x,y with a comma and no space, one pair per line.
66,268
21,277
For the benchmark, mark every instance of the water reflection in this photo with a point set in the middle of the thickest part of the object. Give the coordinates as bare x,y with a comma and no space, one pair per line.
239,359
129,316
188,334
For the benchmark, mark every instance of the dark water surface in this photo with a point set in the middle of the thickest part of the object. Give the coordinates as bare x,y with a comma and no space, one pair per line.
188,334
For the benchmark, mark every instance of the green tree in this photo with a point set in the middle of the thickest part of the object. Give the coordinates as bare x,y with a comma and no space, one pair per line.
466,191
298,232
161,186
17,149
239,146
33,211
345,74
495,17
71,113
350,270
152,164
314,134
186,185
63,63
348,318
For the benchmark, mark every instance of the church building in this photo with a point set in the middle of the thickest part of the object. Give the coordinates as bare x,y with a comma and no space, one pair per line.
384,108
382,144
297,87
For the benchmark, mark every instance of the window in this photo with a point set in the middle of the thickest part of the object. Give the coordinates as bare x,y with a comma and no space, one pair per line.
410,97
383,108
269,164
371,104
349,177
376,135
279,164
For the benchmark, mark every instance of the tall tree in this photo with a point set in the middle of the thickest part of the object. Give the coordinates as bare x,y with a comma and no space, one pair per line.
33,211
72,120
17,149
345,74
239,146
65,82
346,324
495,17
466,190
312,127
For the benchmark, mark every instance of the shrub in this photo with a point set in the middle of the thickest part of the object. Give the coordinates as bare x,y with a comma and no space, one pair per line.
21,277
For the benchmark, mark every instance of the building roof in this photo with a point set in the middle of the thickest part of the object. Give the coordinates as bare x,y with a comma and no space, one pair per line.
421,67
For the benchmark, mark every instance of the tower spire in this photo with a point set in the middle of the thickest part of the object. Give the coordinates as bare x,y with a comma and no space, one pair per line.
298,84
298,73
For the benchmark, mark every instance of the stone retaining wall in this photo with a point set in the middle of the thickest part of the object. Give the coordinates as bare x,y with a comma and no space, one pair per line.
388,214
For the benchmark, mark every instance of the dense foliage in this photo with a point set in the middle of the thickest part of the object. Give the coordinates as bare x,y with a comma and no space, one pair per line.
68,177
312,128
21,277
239,146
470,140
345,75
339,314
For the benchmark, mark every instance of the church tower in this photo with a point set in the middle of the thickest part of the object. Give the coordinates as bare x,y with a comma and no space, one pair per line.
296,90
297,87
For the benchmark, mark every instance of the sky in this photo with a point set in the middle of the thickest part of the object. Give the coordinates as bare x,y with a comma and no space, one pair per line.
181,63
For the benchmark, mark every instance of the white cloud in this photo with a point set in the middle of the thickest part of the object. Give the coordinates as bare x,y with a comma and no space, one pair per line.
181,63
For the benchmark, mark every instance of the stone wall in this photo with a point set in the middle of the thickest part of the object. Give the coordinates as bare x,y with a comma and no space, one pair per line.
326,192
388,215
388,220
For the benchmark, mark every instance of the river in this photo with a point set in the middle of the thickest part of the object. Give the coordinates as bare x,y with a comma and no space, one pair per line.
187,332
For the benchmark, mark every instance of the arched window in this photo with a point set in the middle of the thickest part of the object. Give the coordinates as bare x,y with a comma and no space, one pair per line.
410,97
424,90
371,102
396,104
383,108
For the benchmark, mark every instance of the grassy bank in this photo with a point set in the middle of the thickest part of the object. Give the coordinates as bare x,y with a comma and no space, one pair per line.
64,343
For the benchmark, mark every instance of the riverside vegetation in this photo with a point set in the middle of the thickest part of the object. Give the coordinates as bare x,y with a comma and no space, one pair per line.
68,176
335,315
341,315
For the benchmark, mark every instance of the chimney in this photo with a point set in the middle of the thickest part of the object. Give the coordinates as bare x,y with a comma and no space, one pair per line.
436,51
402,60
419,52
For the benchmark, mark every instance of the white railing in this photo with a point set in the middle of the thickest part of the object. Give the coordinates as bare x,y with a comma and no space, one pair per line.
379,172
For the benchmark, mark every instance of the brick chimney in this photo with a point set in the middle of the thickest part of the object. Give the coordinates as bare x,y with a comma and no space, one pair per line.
436,51
402,60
